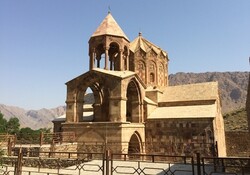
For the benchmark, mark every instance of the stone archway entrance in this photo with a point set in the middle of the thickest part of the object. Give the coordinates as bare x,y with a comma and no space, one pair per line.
134,144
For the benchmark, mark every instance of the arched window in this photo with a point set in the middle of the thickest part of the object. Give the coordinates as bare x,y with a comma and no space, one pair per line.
152,72
152,78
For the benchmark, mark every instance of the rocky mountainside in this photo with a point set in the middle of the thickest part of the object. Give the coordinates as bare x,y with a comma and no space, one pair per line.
34,119
232,85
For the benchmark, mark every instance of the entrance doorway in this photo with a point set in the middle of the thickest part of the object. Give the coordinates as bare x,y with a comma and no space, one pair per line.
134,144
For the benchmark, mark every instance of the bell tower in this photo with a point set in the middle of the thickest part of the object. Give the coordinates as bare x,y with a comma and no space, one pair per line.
109,47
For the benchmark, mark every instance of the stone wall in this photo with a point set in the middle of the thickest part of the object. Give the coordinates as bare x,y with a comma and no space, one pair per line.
180,136
238,144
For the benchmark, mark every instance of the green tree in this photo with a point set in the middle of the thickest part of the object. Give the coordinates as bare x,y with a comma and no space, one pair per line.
28,135
45,130
3,124
13,125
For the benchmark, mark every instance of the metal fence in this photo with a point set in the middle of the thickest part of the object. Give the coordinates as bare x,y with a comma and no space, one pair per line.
108,163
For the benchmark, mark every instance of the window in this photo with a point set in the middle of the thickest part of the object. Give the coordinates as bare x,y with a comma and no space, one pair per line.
152,77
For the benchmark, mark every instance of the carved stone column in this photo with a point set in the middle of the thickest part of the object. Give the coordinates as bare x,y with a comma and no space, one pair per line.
106,57
121,68
127,61
70,111
98,113
79,111
91,59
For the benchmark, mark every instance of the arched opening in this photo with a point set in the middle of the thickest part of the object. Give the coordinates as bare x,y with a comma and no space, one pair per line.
152,78
152,73
114,54
134,144
89,100
133,101
100,56
91,103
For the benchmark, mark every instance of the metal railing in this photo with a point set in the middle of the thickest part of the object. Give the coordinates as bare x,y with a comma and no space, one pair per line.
108,163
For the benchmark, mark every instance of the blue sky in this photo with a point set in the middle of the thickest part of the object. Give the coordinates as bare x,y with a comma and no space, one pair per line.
44,43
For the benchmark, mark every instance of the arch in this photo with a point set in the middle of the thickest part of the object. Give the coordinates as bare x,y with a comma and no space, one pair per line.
100,103
135,143
100,56
114,51
133,108
152,77
152,72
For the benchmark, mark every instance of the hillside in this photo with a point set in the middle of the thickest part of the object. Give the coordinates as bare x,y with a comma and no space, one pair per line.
34,119
236,120
232,85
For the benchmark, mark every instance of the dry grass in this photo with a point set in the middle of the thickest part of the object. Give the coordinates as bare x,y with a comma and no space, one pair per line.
236,120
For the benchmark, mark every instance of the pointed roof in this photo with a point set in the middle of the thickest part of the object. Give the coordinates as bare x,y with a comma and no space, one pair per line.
109,27
145,45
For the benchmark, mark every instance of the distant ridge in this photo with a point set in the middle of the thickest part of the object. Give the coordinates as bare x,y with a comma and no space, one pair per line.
34,119
232,85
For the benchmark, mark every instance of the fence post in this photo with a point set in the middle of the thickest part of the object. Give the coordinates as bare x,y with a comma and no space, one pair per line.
107,154
9,146
41,138
18,165
198,162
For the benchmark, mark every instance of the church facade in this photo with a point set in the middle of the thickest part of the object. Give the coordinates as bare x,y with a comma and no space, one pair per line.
133,104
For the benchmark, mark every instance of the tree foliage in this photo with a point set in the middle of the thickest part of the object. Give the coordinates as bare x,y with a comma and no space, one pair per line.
3,124
24,135
13,126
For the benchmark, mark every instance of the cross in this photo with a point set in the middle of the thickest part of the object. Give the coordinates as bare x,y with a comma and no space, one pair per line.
109,9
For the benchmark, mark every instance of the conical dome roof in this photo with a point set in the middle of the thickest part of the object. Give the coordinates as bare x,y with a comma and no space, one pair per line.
145,45
109,27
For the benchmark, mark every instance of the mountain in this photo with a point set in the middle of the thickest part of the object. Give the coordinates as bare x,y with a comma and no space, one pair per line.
34,119
232,86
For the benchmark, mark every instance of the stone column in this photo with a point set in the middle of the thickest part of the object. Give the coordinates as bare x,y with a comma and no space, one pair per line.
121,60
79,111
98,62
92,59
97,113
106,57
70,111
127,60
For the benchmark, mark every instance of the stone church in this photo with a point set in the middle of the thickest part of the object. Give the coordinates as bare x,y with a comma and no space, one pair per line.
134,108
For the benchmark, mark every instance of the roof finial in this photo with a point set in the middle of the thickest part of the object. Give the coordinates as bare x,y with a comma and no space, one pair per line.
109,11
140,33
